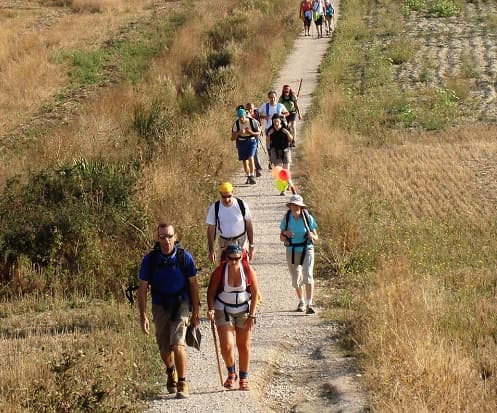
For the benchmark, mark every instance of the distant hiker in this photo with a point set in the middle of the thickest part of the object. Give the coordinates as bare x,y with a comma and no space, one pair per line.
245,131
268,109
318,14
289,99
230,218
329,12
305,14
254,114
278,142
170,271
232,304
298,232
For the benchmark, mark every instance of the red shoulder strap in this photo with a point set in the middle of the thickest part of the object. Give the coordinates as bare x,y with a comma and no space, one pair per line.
247,269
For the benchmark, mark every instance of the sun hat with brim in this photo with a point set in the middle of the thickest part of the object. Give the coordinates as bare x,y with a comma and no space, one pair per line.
296,200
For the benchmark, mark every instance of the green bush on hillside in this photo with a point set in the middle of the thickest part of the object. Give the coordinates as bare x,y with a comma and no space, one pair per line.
63,218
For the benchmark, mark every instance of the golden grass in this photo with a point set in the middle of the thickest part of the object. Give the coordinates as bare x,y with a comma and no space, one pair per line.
29,75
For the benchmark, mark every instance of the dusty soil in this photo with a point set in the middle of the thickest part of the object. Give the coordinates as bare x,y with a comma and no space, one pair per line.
296,364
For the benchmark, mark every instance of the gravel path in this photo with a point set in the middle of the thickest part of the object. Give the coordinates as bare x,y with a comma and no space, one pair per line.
295,364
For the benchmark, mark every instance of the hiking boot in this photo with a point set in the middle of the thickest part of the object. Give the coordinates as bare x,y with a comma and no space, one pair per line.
172,381
248,180
251,180
269,165
258,173
300,308
282,193
310,310
183,391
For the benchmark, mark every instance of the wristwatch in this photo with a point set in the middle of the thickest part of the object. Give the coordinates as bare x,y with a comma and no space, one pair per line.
252,245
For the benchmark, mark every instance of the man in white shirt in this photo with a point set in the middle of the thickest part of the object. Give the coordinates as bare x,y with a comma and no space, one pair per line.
229,217
268,109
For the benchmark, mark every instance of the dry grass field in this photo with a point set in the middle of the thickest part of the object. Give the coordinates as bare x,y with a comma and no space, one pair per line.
401,165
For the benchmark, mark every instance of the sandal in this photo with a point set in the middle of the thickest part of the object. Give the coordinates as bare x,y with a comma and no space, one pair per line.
244,385
230,381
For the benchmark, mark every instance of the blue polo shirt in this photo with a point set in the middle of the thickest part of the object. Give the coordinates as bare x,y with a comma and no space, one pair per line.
165,276
297,227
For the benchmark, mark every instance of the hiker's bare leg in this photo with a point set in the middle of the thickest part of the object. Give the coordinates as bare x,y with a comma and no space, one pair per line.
226,342
246,167
300,292
167,358
251,166
243,346
180,359
309,291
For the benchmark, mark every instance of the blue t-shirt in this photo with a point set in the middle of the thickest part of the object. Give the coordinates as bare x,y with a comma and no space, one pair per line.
167,280
297,227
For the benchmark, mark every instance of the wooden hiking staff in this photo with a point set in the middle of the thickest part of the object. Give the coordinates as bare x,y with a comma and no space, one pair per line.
300,86
214,336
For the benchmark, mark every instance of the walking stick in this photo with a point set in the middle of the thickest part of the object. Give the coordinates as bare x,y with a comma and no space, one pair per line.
213,328
300,86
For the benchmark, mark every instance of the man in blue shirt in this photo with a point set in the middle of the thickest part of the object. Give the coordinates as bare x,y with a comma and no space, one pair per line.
298,232
171,273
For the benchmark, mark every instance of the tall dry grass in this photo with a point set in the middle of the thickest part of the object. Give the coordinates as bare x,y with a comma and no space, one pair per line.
409,223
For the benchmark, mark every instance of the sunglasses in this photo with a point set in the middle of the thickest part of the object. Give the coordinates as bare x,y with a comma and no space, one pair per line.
226,196
286,91
234,258
164,236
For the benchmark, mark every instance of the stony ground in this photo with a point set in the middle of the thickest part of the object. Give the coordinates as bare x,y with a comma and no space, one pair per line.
296,366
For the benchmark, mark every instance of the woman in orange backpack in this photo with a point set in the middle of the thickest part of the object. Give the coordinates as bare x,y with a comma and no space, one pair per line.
232,301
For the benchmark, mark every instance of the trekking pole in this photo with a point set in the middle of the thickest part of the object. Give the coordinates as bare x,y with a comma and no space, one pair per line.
214,336
300,87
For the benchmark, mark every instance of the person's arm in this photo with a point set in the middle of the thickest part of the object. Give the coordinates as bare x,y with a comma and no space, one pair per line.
142,306
211,232
297,108
250,238
211,294
289,136
254,298
194,296
313,235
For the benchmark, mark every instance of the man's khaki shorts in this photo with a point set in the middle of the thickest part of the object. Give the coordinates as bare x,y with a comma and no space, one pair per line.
170,332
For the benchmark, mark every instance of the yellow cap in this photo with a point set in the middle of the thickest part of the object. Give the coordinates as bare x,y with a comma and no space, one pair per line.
226,187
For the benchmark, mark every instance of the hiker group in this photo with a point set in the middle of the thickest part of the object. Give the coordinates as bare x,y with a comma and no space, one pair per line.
275,121
233,292
321,12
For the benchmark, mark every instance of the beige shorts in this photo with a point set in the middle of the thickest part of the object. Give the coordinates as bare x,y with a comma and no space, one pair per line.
235,320
301,274
170,332
279,156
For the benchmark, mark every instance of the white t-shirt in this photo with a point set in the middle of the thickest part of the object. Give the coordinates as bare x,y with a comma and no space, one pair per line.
231,220
277,108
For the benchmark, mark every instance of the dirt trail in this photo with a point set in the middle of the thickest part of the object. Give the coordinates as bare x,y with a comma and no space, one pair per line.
295,365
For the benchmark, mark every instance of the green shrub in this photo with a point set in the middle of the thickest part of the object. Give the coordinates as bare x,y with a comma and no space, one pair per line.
444,8
62,219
